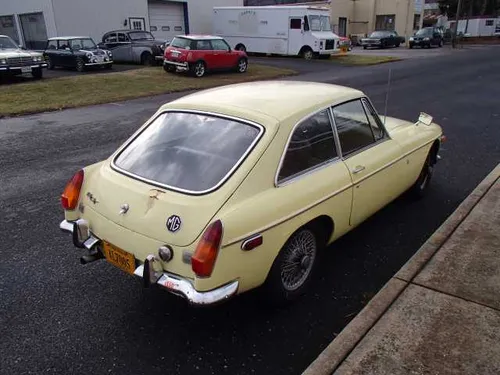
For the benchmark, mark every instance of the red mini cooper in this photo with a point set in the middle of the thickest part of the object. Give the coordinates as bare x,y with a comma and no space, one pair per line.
199,54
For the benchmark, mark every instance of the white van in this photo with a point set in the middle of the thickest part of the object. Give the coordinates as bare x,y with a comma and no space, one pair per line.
284,30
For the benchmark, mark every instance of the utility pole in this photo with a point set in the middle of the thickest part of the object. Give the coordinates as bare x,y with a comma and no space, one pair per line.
457,16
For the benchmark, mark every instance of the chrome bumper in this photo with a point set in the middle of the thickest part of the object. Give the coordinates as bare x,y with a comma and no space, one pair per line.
178,65
32,66
172,283
99,63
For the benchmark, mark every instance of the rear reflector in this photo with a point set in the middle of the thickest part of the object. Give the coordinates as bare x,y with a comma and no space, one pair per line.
71,193
203,259
443,138
252,243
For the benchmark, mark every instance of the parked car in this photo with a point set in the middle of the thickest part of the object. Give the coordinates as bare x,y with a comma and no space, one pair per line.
241,186
15,60
199,54
79,52
427,37
133,46
382,39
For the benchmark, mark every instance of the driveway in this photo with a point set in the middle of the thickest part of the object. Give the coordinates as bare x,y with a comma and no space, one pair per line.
59,317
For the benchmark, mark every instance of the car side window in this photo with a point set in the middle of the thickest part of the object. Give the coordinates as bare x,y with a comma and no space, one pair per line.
219,45
203,45
63,44
373,119
295,23
312,144
52,44
122,37
353,127
110,38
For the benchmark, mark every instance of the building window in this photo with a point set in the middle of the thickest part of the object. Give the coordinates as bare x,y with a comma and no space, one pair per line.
165,28
178,28
385,22
489,22
153,28
8,27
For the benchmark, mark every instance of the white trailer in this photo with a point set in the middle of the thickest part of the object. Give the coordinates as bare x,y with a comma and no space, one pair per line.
282,30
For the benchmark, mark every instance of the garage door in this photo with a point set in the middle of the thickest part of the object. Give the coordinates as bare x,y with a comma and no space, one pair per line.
166,19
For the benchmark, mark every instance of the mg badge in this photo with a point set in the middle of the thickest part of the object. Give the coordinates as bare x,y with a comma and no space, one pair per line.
174,223
123,209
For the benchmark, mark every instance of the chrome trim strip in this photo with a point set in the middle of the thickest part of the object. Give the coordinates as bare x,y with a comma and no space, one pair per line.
206,113
288,217
180,65
185,288
99,63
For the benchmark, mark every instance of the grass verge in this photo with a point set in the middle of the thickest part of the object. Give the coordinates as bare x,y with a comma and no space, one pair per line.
360,60
76,91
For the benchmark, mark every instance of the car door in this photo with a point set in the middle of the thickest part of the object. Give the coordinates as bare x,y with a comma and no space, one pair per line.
51,50
64,53
311,177
110,41
371,157
223,58
123,48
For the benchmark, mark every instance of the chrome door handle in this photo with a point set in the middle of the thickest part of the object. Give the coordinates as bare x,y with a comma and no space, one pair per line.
358,169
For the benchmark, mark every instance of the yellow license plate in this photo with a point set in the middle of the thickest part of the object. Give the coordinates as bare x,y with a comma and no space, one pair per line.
119,258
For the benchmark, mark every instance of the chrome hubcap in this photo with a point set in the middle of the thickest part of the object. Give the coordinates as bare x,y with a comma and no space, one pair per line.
200,69
298,260
243,66
308,55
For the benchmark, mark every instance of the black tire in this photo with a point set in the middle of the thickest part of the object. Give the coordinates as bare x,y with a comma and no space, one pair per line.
50,63
169,68
307,53
440,44
198,69
242,65
293,268
108,66
37,73
147,59
80,65
241,47
411,46
364,47
421,186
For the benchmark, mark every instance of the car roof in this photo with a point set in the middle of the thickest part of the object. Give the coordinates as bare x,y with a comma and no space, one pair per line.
127,31
69,37
198,36
269,101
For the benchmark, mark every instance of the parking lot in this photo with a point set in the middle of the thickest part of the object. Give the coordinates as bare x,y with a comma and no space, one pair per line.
60,317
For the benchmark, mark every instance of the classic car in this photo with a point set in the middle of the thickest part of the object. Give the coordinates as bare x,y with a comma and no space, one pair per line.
382,39
238,187
15,60
78,52
134,46
199,54
427,37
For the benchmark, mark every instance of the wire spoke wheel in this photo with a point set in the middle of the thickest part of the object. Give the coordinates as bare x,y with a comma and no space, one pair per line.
298,260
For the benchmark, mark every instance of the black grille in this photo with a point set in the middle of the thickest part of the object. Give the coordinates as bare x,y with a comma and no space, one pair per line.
330,44
19,60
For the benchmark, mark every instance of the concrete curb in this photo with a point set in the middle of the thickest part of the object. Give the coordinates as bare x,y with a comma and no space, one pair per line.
338,350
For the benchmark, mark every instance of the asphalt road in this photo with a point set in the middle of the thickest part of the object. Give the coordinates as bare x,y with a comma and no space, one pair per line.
58,317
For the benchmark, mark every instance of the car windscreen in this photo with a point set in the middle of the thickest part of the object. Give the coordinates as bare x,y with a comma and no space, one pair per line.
378,34
188,152
424,32
78,44
181,43
319,23
141,35
7,43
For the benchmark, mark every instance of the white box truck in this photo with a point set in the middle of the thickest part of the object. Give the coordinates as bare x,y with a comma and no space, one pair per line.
283,30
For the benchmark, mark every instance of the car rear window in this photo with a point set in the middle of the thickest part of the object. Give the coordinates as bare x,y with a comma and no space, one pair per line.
188,152
181,43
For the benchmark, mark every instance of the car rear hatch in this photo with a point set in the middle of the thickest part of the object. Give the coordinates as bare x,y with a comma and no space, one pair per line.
169,181
179,49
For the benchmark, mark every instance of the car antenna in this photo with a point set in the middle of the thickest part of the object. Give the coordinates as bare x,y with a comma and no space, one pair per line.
387,94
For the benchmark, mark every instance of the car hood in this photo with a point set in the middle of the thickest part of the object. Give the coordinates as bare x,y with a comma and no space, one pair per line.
325,35
8,53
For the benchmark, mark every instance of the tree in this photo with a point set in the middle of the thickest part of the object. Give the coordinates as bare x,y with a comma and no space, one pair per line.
475,7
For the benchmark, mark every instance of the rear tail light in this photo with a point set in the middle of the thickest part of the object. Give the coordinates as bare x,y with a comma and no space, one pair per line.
71,193
190,56
203,259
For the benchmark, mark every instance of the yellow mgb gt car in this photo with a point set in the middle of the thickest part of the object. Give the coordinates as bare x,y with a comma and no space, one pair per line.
241,186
